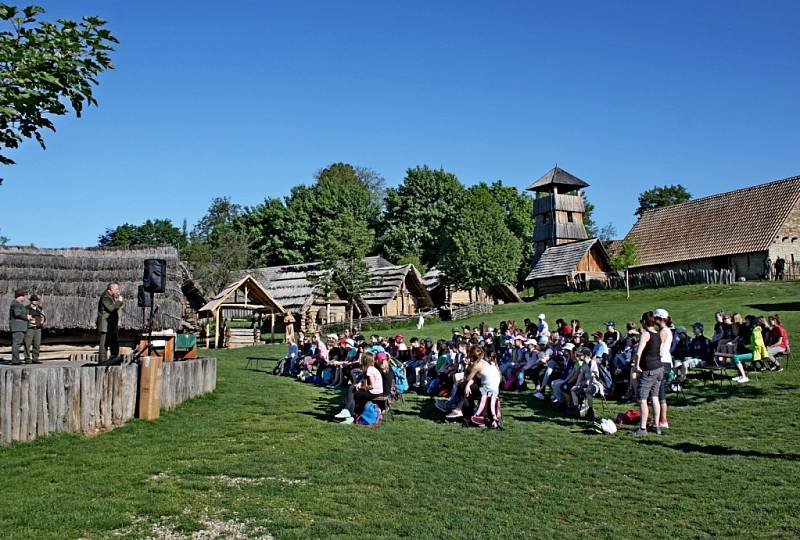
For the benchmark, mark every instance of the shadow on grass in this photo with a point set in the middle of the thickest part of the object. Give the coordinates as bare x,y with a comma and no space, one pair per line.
543,412
717,450
777,306
570,303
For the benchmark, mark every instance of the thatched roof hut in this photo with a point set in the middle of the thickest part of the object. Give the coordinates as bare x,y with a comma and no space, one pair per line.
70,281
395,289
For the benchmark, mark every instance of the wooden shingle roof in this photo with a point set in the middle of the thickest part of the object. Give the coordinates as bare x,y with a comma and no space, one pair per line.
737,222
561,260
559,178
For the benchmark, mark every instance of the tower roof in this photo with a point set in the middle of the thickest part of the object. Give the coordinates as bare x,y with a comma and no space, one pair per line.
558,178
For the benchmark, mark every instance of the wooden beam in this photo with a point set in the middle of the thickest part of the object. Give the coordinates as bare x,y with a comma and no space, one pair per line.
216,328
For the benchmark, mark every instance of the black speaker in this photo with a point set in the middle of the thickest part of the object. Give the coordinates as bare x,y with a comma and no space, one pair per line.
143,297
155,275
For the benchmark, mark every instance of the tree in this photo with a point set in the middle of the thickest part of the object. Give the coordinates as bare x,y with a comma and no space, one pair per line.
625,257
588,216
45,68
159,232
606,234
479,249
376,184
517,215
342,252
658,197
217,249
416,214
3,240
266,224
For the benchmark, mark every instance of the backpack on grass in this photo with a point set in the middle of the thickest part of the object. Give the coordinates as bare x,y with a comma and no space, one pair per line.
370,417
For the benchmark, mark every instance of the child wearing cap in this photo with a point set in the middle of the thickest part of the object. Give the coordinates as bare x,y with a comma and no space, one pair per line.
600,349
587,384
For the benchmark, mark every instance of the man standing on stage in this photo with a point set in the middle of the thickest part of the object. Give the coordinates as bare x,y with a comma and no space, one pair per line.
33,336
108,321
18,324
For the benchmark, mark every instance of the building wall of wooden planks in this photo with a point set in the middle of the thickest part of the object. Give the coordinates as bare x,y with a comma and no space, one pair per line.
46,400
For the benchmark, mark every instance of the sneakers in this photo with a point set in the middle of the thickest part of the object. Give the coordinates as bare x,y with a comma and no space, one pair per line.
442,405
676,387
664,425
538,394
639,432
658,431
741,379
344,413
454,414
348,421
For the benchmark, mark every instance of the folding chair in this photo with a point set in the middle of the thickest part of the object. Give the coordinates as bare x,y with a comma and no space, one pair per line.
785,358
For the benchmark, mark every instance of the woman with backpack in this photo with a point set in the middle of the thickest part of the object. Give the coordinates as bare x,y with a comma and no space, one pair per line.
358,395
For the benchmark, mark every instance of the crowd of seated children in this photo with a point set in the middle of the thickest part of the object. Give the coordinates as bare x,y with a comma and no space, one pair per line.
564,365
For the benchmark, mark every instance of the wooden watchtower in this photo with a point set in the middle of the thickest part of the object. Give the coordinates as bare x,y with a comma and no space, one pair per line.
558,210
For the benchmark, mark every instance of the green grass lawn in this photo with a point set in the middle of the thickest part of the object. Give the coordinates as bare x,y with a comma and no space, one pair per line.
261,457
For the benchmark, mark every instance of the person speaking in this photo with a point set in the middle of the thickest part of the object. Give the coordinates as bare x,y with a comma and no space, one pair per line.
108,321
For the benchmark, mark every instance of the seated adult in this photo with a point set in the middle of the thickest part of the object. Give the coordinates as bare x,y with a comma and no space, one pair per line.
482,379
358,395
292,355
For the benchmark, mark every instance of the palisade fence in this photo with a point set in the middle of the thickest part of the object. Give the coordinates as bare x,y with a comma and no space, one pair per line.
380,322
41,400
652,280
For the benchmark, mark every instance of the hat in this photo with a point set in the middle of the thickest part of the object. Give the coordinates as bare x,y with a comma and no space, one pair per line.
598,335
20,292
381,356
610,323
541,316
542,341
34,298
333,336
399,338
698,325
680,330
350,342
568,347
661,314
341,341
530,342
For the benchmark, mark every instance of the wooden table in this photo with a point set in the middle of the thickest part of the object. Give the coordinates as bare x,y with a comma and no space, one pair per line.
163,344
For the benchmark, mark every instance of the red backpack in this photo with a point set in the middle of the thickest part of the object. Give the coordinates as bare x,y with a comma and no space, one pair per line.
628,417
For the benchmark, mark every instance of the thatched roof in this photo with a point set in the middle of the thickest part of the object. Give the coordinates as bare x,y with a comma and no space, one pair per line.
387,279
257,297
289,285
714,226
562,260
70,281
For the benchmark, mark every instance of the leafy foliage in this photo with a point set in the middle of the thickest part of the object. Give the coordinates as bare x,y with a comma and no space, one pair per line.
3,240
625,256
342,252
658,197
267,224
518,216
588,217
417,212
159,232
217,249
45,68
479,249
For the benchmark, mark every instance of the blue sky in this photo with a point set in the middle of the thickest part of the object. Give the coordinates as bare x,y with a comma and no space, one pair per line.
248,98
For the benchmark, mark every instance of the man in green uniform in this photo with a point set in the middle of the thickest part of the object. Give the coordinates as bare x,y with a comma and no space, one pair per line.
18,324
33,336
108,321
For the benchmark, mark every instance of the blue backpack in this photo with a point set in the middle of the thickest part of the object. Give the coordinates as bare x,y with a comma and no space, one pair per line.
605,378
370,417
400,380
327,376
433,386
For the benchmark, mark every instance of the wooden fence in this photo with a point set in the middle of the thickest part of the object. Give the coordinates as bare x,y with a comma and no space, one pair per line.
478,308
650,280
44,399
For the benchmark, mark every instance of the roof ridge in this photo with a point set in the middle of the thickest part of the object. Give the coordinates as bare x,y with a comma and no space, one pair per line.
724,194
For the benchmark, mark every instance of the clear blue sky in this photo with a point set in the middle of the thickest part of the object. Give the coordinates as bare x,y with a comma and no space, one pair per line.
248,98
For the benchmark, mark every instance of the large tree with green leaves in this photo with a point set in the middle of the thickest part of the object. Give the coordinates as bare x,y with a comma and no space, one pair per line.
342,268
658,197
266,224
416,213
45,69
517,215
217,249
479,249
159,232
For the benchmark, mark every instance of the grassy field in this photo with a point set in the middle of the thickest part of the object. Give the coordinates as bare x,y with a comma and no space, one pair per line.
260,457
